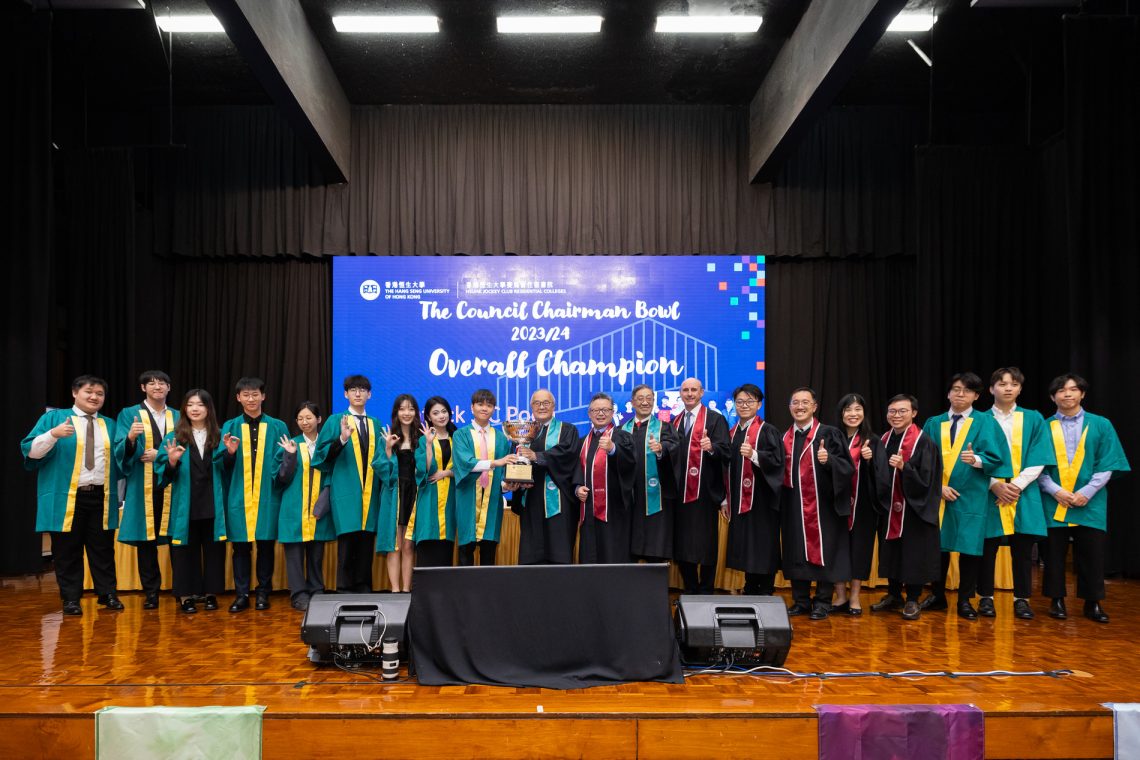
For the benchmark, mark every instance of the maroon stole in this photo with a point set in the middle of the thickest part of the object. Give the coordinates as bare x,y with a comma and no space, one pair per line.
693,463
854,449
809,498
747,482
600,470
898,500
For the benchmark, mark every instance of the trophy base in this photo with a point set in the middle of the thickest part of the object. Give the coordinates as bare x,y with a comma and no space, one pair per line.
519,474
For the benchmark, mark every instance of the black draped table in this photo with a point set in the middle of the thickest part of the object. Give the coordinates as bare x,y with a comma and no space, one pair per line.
555,626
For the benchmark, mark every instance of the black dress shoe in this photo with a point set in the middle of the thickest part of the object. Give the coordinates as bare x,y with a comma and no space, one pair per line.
262,601
241,604
933,603
210,603
986,607
71,607
188,605
1021,609
910,610
819,611
1094,612
1057,609
111,602
799,609
841,609
151,602
854,611
888,602
966,610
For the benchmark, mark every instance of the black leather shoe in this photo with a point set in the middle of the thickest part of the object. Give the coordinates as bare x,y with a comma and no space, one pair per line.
910,611
933,603
841,609
986,607
151,602
966,610
819,611
262,601
798,609
888,602
111,602
1021,609
188,606
241,604
854,611
71,607
1057,609
1094,612
210,603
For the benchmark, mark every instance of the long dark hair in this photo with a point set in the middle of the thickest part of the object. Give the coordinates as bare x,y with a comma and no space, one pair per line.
865,432
398,427
184,431
442,402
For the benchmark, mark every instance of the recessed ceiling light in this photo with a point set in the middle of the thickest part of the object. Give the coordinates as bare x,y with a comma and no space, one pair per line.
708,24
386,24
912,22
198,24
549,24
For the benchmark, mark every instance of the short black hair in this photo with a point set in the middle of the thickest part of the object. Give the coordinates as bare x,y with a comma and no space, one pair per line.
904,397
311,406
805,389
969,379
154,374
249,384
749,388
483,396
601,395
357,381
1001,372
83,380
1060,381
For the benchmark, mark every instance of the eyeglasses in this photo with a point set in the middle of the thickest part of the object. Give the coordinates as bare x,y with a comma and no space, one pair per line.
605,410
250,395
899,412
358,390
958,390
798,404
746,401
542,404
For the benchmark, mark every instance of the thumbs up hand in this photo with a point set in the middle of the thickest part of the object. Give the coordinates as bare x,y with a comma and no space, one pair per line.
968,455
821,454
654,444
865,452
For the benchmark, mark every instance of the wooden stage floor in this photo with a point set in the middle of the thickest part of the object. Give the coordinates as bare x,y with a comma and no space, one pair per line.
55,672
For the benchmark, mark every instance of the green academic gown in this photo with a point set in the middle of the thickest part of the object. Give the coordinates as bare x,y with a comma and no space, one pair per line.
387,469
355,496
252,502
433,517
57,477
478,511
138,522
303,487
177,482
1098,451
1030,448
964,521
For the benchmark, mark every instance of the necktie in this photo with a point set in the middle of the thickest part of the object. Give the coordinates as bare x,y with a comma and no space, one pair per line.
954,426
362,430
89,446
688,424
485,477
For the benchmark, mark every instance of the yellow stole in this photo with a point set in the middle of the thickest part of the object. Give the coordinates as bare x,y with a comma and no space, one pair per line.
442,489
148,478
1066,469
252,476
310,490
1008,512
364,469
951,455
483,495
77,468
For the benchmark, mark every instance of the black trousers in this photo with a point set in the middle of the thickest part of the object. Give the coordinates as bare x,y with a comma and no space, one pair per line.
304,568
487,550
434,553
150,576
199,565
243,553
86,534
968,567
759,584
1089,546
913,590
698,579
801,592
354,554
1021,554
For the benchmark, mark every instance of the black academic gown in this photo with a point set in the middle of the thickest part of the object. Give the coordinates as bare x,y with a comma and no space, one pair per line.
606,542
754,536
695,523
651,536
866,513
542,539
833,486
914,557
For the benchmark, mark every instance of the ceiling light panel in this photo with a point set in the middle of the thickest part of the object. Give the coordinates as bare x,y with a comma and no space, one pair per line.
197,24
386,24
912,22
549,24
708,24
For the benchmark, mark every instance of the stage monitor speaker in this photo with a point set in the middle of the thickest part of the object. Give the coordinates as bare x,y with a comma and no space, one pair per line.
350,628
717,631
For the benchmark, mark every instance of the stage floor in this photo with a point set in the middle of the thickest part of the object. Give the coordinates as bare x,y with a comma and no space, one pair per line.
55,672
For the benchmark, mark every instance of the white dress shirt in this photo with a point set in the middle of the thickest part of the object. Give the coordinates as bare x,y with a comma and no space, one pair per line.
1028,474
45,442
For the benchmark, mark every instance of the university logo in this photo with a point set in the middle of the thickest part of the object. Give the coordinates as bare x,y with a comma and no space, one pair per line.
370,290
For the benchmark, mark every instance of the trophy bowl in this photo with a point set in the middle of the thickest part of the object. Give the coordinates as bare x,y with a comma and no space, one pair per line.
520,432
